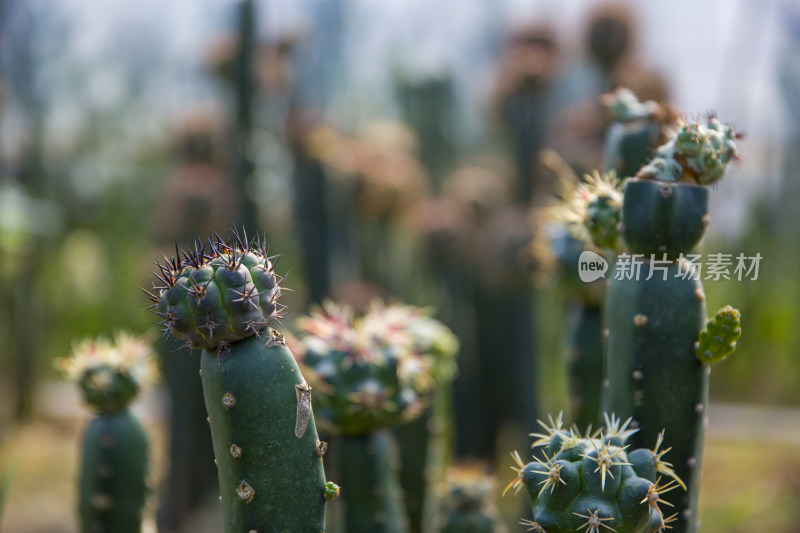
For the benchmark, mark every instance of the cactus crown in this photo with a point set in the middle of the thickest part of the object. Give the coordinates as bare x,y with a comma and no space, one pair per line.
623,106
718,340
212,297
374,371
593,482
699,153
593,209
110,374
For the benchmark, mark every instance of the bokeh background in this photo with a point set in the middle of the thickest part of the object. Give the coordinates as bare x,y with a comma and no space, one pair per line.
385,149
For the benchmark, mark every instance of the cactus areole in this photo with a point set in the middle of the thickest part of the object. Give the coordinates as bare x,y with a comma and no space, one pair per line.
221,299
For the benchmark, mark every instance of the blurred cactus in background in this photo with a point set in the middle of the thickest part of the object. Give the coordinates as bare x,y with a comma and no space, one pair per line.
468,497
114,460
372,373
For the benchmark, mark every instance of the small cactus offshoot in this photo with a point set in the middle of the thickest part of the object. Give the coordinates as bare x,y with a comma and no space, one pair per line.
698,153
467,501
593,210
718,340
594,482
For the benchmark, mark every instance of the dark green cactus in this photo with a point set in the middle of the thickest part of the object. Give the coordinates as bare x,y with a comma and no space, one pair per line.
259,405
718,340
112,482
373,373
655,371
265,443
467,495
593,483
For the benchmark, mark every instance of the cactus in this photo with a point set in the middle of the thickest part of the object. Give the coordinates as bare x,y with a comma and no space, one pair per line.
467,495
636,130
594,483
698,153
593,209
373,373
265,441
115,446
657,354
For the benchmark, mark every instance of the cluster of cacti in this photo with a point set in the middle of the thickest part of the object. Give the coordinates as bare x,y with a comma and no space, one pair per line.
115,446
656,369
269,457
372,373
594,482
467,496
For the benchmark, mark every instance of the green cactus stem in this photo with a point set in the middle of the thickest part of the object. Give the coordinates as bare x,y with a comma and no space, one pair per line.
663,218
266,446
718,340
267,450
113,470
114,462
593,483
369,469
656,309
652,372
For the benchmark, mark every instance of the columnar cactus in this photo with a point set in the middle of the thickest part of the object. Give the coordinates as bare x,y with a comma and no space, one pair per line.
656,368
112,481
594,482
269,457
371,374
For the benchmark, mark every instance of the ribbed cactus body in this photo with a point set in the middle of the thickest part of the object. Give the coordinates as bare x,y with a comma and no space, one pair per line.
112,478
368,466
265,441
594,483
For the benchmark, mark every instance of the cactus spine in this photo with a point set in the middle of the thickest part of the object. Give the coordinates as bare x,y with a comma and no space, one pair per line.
265,441
114,456
655,368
